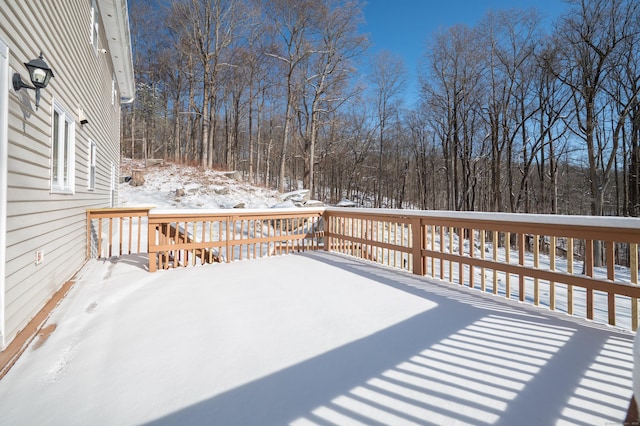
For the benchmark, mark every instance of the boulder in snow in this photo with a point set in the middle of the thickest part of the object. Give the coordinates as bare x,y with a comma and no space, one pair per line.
236,175
313,203
153,162
346,203
284,205
299,196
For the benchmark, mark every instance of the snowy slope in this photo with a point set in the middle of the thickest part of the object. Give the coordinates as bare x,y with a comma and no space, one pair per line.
202,189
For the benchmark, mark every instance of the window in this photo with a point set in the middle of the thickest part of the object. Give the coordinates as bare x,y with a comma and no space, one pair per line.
62,151
91,185
94,25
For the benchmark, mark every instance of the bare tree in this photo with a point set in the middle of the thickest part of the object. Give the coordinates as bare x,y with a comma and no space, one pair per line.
388,76
511,40
328,67
594,36
624,91
451,83
210,26
292,20
552,99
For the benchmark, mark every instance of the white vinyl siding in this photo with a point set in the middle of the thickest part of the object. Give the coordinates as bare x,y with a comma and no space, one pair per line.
39,218
62,151
95,28
4,92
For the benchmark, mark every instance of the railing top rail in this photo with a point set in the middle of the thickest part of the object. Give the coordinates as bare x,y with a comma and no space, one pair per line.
631,224
613,222
121,209
236,212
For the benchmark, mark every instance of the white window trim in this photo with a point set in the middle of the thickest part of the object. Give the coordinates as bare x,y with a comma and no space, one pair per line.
91,165
69,155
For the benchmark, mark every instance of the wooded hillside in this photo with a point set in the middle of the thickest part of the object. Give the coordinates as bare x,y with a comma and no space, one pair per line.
512,116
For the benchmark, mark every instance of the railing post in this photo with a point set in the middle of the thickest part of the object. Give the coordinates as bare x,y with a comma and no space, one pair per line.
461,254
588,261
570,272
633,264
99,235
327,231
483,282
416,249
450,252
494,246
521,280
442,251
536,264
507,259
611,276
110,236
552,267
88,234
151,234
228,235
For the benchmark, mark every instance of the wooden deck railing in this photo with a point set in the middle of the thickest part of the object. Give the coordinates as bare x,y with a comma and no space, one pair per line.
545,260
550,261
116,231
182,238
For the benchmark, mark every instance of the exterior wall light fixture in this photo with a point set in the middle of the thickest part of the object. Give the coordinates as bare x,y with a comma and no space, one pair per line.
39,73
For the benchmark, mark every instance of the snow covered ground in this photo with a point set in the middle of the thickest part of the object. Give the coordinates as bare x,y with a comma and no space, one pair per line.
307,339
311,339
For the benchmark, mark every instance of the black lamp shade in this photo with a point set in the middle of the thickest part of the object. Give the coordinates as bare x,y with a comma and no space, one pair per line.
39,72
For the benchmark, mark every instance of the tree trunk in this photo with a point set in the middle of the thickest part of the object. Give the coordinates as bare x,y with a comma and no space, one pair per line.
204,141
285,139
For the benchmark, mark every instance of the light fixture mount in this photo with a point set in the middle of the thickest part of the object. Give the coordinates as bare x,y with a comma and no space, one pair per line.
39,74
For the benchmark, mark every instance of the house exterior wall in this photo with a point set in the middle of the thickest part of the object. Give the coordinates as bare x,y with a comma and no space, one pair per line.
39,216
4,94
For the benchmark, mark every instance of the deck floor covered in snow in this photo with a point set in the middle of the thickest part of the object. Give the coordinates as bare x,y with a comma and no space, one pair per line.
309,339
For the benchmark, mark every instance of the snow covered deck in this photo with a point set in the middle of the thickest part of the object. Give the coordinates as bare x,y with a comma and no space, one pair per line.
306,339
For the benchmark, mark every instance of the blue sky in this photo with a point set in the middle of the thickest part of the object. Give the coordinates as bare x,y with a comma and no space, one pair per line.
403,26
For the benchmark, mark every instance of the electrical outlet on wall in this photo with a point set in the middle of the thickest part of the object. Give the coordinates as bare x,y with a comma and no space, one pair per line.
39,257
